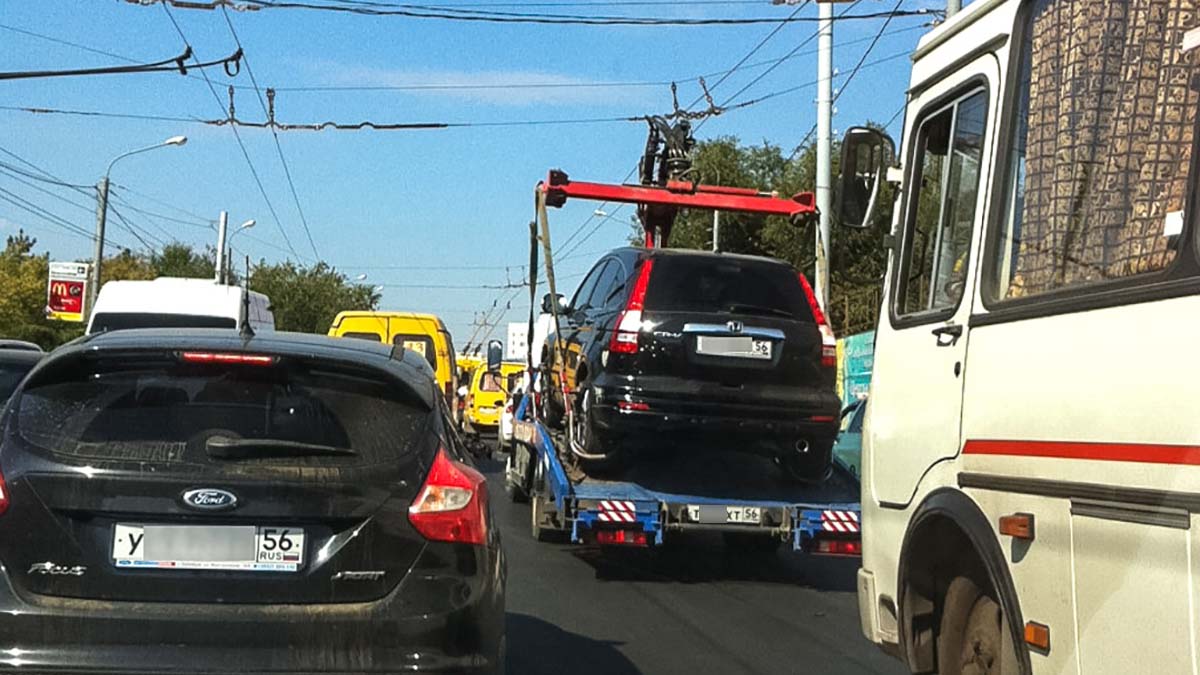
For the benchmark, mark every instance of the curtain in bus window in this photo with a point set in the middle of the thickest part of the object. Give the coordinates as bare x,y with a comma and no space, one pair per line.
1103,144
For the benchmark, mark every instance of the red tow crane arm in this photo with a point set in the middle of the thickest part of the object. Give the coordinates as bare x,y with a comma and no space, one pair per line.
558,187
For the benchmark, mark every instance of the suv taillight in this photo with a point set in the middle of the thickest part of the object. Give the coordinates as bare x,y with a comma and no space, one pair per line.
828,341
451,504
629,322
3,495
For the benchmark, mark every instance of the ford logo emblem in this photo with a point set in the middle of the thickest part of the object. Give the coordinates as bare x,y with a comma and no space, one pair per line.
209,499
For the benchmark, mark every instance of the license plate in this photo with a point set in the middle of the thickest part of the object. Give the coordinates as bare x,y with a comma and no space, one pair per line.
718,514
208,547
737,347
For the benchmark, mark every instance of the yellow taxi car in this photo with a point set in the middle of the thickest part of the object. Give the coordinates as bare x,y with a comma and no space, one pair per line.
489,391
424,334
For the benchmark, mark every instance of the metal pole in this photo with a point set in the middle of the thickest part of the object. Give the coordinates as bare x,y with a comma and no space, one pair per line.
824,140
716,231
222,226
101,217
952,7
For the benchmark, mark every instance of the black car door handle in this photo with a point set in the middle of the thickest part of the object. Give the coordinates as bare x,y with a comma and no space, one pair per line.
948,335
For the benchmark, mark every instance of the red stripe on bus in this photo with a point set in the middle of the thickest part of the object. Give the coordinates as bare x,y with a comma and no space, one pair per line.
1105,452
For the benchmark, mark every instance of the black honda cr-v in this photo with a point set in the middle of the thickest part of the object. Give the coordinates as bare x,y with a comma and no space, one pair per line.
182,501
670,347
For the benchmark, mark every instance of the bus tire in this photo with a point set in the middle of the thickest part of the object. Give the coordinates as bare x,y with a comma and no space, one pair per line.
971,632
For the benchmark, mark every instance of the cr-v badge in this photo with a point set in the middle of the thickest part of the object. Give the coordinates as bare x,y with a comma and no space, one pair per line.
209,499
57,570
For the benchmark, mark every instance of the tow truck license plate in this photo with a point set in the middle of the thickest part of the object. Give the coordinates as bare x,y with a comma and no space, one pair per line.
208,547
737,347
717,514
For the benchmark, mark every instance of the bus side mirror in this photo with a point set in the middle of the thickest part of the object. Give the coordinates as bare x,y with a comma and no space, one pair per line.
866,156
495,354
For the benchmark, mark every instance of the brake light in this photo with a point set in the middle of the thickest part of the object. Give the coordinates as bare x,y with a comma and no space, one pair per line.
451,504
622,537
839,547
449,391
226,358
629,322
3,495
828,341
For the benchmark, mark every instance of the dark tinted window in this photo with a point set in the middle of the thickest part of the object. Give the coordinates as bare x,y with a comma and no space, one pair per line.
586,287
421,344
122,321
856,419
11,375
712,285
604,284
372,337
156,409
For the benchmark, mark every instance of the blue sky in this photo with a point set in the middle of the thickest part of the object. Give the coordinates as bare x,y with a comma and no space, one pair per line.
402,207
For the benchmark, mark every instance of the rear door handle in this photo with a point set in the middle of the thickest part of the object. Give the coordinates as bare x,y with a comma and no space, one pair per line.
948,335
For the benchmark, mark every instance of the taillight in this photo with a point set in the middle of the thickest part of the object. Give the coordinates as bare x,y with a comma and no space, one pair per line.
828,341
622,537
451,504
449,391
629,322
224,358
3,495
849,547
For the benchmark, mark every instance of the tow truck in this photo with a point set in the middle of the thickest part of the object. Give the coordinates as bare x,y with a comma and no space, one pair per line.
684,490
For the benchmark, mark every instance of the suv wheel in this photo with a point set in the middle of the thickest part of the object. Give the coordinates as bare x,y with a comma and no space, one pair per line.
607,456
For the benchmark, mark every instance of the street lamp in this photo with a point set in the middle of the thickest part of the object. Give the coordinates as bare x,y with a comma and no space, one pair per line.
102,213
361,277
225,246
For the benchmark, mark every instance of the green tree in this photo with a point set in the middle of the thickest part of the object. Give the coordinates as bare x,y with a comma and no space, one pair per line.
23,276
181,260
307,298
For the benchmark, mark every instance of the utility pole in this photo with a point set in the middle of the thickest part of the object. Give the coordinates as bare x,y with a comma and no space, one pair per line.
222,226
952,7
824,145
101,217
716,231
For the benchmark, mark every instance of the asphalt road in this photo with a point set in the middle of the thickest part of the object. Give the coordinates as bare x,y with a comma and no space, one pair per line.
691,608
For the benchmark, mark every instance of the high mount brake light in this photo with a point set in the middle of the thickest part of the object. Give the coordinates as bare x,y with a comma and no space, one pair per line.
828,341
452,503
629,323
227,358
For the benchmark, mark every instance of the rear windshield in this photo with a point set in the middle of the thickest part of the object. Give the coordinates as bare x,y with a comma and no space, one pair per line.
11,375
489,382
159,410
121,321
707,285
420,344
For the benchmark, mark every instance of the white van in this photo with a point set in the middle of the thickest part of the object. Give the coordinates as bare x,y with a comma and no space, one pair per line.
169,302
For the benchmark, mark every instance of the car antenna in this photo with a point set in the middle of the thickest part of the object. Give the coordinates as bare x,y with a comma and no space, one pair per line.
244,329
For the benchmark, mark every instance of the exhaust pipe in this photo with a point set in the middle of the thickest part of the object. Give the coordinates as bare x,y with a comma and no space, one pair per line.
802,447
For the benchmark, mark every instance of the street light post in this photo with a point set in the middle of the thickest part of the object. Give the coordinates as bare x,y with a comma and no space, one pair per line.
225,257
102,214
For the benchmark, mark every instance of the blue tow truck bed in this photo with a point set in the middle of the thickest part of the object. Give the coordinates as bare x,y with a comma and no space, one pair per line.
679,490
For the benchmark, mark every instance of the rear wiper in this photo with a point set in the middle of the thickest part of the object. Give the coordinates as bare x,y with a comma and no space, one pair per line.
760,309
222,447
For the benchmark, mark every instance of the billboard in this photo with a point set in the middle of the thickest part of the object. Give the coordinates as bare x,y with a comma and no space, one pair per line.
856,358
66,291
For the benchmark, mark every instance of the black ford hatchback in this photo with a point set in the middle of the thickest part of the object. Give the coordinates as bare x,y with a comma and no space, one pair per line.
193,501
672,347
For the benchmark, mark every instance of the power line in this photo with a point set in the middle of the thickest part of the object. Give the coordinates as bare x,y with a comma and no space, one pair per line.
287,172
754,50
245,153
44,214
156,67
452,14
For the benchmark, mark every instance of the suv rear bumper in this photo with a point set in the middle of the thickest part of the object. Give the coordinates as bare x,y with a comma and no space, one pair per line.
659,407
431,622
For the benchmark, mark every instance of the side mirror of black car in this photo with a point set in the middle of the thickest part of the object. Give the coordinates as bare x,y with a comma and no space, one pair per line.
867,154
548,303
495,354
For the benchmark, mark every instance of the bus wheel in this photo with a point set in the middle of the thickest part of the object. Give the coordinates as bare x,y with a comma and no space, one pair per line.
971,639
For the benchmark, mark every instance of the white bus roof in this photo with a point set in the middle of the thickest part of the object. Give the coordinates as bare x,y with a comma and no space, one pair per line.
171,295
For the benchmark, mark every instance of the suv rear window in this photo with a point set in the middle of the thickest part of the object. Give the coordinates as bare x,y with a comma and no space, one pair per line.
712,286
123,321
157,409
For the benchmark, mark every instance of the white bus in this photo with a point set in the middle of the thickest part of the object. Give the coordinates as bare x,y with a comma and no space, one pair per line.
1031,473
